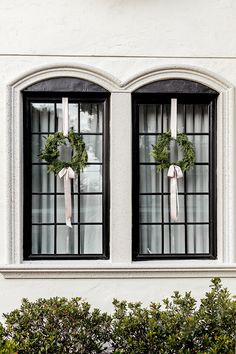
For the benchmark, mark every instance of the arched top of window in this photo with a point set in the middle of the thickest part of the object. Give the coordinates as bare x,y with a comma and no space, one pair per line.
176,86
65,84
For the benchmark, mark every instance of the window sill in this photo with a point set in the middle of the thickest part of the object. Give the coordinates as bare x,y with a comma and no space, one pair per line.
106,270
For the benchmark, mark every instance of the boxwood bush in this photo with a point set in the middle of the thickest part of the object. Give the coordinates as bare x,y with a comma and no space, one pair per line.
177,326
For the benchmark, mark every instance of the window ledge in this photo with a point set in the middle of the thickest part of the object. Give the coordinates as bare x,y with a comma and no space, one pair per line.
109,271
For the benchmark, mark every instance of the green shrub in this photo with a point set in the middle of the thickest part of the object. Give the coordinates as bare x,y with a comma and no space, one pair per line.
177,326
58,325
6,346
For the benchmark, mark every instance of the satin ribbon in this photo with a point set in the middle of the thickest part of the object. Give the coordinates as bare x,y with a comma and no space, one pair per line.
174,173
68,174
173,118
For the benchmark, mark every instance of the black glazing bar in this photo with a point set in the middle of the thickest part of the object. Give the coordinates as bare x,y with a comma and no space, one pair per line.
185,196
168,193
79,241
194,230
154,134
73,193
174,223
153,163
162,196
44,133
61,223
103,176
55,189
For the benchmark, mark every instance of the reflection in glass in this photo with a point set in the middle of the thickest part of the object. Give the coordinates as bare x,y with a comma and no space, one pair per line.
198,208
91,239
93,145
150,180
198,239
150,208
174,239
198,179
91,179
149,118
42,181
43,117
90,208
150,239
42,208
145,147
67,239
91,117
201,145
38,142
42,239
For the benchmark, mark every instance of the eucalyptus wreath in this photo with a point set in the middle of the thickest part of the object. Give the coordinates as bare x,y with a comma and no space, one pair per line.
51,153
161,152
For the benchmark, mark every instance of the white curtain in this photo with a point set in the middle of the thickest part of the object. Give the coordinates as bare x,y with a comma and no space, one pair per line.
49,208
155,208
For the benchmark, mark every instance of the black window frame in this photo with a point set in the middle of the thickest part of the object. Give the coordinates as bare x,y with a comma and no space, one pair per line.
185,91
52,91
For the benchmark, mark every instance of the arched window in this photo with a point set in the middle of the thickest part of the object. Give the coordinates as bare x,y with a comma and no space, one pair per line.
45,234
193,235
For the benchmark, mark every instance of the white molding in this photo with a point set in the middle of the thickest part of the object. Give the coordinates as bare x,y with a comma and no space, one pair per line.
225,145
130,272
86,72
187,72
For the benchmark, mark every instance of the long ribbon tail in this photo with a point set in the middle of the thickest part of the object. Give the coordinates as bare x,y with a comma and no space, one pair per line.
68,174
174,173
174,205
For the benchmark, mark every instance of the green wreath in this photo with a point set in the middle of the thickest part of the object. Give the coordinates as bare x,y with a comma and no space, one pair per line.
51,153
161,152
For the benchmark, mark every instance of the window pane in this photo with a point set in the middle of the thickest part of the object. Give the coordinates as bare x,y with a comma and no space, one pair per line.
42,239
42,181
145,147
38,142
174,239
91,179
43,118
149,118
201,146
61,208
197,118
42,208
90,239
198,179
150,180
167,209
198,239
67,239
90,208
150,208
93,145
198,208
150,239
91,117
166,117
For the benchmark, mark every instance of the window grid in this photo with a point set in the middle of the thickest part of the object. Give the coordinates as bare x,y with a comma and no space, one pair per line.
137,132
103,192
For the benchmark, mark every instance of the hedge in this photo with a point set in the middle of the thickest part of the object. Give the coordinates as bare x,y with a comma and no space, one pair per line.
176,326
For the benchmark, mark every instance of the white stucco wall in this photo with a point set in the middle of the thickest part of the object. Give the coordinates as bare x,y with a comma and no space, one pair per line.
123,39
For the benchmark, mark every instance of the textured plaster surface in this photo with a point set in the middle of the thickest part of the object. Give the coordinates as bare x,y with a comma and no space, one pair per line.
123,39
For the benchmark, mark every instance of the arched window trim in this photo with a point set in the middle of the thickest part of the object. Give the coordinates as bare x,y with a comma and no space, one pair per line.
15,267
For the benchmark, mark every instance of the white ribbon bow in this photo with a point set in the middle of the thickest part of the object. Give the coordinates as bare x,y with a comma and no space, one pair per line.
174,173
68,174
